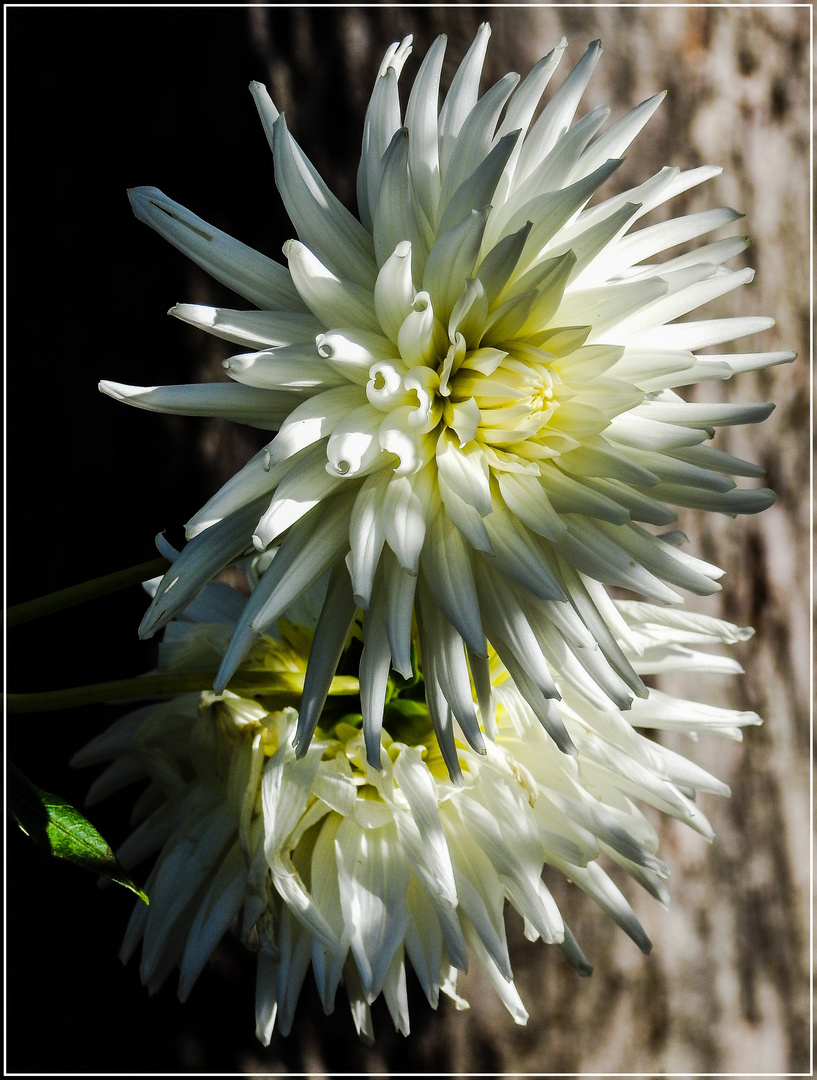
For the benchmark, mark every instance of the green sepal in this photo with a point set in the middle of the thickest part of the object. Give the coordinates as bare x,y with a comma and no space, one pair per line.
407,720
60,829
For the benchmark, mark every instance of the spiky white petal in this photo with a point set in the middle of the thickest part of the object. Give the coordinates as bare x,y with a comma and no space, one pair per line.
480,376
352,854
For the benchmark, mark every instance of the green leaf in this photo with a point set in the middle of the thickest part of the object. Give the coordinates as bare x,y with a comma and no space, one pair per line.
60,829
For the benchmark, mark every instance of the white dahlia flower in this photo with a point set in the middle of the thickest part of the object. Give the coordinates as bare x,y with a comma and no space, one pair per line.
324,860
475,393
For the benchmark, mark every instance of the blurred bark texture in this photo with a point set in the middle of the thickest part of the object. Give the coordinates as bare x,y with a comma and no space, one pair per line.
726,986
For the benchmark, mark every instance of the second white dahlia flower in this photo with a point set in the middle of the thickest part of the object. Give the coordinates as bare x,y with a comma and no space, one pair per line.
363,872
475,393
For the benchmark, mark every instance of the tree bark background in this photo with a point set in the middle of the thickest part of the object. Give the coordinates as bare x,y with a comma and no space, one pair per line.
100,99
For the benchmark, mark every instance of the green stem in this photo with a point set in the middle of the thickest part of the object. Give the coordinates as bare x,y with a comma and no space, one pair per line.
88,590
287,686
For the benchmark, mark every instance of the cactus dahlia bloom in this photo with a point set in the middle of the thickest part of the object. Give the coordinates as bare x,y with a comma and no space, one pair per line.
474,389
325,860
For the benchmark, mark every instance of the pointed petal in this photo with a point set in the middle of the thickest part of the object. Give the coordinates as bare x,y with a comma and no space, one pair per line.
446,562
375,661
462,94
373,881
421,123
321,221
366,535
336,619
334,301
243,404
312,420
254,329
556,116
201,559
306,484
258,279
408,506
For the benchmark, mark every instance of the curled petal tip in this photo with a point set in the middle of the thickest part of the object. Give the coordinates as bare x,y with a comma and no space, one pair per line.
199,314
121,391
147,628
141,198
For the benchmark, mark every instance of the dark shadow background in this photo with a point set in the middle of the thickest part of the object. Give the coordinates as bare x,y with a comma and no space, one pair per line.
101,99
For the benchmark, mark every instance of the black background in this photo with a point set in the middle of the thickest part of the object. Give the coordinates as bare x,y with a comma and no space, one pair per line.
99,100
